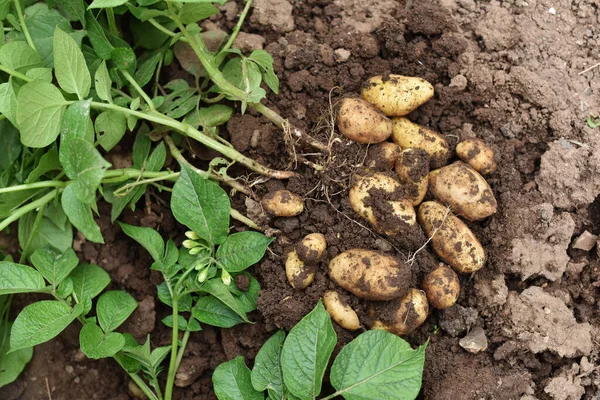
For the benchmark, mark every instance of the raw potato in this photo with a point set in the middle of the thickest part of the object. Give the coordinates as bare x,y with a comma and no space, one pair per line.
408,314
312,248
361,122
299,275
370,275
407,134
283,203
478,155
464,190
396,95
442,287
340,312
413,167
453,241
382,156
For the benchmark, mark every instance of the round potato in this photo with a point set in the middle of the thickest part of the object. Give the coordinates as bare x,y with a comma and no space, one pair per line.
361,122
442,287
478,155
382,156
407,134
413,168
298,274
405,315
312,248
370,275
283,203
464,190
453,241
396,95
340,312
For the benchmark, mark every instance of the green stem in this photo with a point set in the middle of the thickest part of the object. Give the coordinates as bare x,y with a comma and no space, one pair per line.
124,189
34,228
24,25
112,23
14,73
138,89
19,212
121,175
122,93
174,340
166,31
35,185
184,342
238,26
142,385
2,117
235,214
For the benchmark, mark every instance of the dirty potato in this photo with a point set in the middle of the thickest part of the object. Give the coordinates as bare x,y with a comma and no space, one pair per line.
396,95
412,167
407,134
403,316
382,156
361,122
370,275
283,203
340,312
298,274
442,287
464,190
478,155
453,241
312,248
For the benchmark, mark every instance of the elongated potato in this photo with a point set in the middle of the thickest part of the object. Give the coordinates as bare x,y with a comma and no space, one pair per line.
370,275
453,241
478,155
361,122
407,134
298,274
283,203
396,95
382,156
340,312
312,248
464,190
404,316
413,168
442,287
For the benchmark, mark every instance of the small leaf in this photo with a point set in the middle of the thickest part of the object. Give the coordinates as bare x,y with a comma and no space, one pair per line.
194,12
8,102
74,10
208,117
113,308
80,215
110,128
181,322
75,123
146,71
149,238
43,74
102,83
70,68
11,365
89,280
232,381
95,344
18,278
124,59
265,61
247,299
241,250
54,230
266,374
221,292
97,36
211,311
106,3
54,265
19,56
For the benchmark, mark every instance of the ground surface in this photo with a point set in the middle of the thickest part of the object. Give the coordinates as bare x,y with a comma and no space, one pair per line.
506,72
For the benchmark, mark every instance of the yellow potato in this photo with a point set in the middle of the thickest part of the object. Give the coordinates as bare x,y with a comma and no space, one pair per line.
340,312
312,248
453,241
370,275
464,190
361,122
407,134
477,154
413,168
382,156
283,203
442,287
298,274
406,315
396,95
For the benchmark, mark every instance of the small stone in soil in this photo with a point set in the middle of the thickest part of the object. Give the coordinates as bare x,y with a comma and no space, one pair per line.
475,341
586,241
457,320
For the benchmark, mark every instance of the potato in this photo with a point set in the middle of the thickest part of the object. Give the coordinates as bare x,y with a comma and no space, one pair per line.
477,154
298,274
382,201
312,248
382,156
453,241
340,312
442,287
407,134
361,122
396,95
413,167
464,190
283,203
370,275
405,315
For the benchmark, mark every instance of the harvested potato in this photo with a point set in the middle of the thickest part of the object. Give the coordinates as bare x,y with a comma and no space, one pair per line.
478,155
413,168
405,315
299,275
312,248
464,190
283,203
396,95
453,241
382,156
370,275
361,122
442,287
407,134
340,312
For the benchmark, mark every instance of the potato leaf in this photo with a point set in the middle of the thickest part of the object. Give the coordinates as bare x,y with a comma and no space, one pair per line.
80,215
70,68
241,250
113,308
149,238
266,374
18,278
54,265
89,280
96,344
232,381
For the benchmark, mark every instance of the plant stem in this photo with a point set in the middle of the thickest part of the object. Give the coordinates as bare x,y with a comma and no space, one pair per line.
142,385
237,26
235,214
35,185
166,31
138,89
112,24
24,25
121,175
34,228
19,212
14,73
126,188
174,340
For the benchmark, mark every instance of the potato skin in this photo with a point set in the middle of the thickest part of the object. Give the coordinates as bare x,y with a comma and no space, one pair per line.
407,134
370,275
407,314
413,167
311,249
283,203
478,155
298,274
453,241
361,122
464,190
396,95
382,156
442,287
340,312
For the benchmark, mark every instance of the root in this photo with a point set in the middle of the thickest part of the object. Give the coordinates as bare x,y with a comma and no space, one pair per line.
411,260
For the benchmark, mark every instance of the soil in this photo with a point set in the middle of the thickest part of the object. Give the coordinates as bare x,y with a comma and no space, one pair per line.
508,73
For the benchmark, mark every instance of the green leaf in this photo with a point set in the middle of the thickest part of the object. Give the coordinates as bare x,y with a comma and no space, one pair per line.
210,116
73,10
43,74
266,374
113,308
8,102
80,215
378,365
232,381
102,83
18,278
247,299
124,59
89,280
212,311
265,61
47,162
74,124
194,12
41,321
245,75
19,56
146,71
306,353
54,265
201,205
70,68
181,322
221,292
65,289
97,36
11,365
95,344
40,108
164,295
241,250
110,128
54,230
106,3
149,238
10,144
41,28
